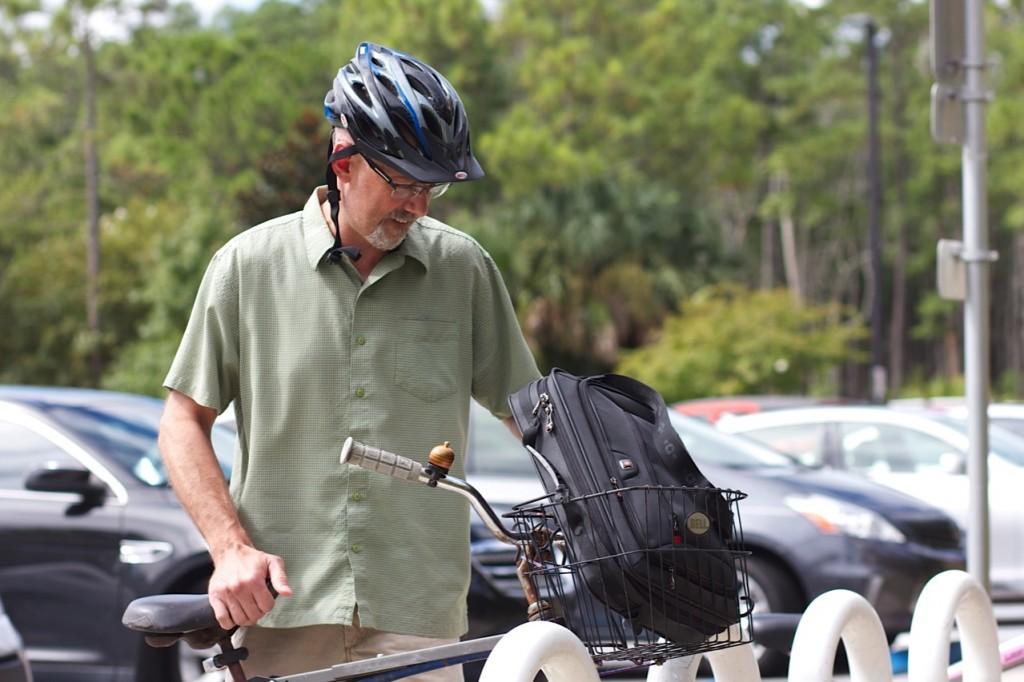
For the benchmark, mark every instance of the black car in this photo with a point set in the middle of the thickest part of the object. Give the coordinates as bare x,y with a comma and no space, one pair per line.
13,662
87,524
809,530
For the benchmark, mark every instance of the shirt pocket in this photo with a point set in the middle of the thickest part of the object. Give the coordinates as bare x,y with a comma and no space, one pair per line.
426,364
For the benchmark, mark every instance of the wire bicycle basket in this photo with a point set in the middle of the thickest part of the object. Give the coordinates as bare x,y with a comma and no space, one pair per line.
640,574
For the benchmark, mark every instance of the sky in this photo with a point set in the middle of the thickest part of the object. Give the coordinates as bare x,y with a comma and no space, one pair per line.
111,25
208,8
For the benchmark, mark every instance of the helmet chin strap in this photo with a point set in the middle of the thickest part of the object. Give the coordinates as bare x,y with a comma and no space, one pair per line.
334,198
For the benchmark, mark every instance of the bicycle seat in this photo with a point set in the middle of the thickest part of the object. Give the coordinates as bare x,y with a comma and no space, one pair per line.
166,618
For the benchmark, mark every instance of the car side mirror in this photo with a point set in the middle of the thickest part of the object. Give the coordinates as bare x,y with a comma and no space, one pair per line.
75,481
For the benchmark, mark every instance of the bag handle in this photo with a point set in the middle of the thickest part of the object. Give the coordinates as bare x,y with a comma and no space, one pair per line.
667,441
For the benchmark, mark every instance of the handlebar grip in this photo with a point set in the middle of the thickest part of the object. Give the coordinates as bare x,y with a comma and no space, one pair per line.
381,461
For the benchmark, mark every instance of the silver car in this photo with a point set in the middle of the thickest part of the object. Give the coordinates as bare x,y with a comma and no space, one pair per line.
920,453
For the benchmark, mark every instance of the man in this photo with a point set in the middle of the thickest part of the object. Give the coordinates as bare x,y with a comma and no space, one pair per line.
357,316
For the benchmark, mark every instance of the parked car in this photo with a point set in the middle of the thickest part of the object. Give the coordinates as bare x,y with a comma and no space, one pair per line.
809,530
1009,416
920,453
88,523
713,409
13,662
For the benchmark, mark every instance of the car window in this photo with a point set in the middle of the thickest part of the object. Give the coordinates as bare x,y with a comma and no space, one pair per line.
126,432
1005,444
709,445
1014,426
22,451
881,448
805,442
493,450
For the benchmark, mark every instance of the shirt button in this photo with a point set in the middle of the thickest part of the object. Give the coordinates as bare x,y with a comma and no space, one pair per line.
360,392
358,497
361,340
357,548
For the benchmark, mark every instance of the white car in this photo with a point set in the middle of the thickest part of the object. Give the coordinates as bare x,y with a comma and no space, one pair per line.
919,453
1009,416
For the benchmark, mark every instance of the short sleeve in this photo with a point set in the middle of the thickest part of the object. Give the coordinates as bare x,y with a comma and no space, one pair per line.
205,368
502,360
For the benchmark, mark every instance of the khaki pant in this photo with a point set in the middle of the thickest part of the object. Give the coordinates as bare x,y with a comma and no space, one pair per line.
286,651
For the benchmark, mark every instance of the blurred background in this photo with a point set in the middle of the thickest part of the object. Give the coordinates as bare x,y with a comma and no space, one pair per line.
734,201
678,190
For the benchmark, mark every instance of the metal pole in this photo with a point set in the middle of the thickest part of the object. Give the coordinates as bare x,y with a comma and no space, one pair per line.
878,379
976,305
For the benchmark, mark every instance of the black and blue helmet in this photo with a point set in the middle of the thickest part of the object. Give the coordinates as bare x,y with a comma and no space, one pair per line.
404,114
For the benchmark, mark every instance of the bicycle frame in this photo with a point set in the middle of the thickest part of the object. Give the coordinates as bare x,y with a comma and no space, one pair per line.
396,666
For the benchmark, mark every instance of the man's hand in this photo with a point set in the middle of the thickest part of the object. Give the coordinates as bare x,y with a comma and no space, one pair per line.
239,590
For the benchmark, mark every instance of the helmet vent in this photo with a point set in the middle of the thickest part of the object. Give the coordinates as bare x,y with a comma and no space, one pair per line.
433,124
388,83
419,87
363,93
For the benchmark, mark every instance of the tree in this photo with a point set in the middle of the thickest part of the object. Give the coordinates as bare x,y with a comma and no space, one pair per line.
729,340
594,267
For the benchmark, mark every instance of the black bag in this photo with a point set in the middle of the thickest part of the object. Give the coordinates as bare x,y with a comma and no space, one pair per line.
659,557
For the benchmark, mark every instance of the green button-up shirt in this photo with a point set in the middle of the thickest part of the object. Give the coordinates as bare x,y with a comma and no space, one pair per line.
311,354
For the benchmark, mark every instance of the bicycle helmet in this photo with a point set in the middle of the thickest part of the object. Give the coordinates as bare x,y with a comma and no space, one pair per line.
404,114
401,113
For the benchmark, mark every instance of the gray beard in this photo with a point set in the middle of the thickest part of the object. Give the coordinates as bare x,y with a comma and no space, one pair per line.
380,240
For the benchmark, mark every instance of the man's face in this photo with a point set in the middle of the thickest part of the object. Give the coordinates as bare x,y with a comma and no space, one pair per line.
374,209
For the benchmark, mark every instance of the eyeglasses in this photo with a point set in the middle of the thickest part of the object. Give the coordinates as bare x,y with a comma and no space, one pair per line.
406,191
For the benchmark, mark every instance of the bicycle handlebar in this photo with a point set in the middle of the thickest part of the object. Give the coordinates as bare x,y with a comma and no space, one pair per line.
405,469
381,461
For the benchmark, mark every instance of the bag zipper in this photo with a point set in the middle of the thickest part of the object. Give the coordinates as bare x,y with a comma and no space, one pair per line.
544,405
594,484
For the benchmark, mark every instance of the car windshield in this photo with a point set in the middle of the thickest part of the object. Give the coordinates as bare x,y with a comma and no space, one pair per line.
125,430
708,445
493,450
1013,425
1000,441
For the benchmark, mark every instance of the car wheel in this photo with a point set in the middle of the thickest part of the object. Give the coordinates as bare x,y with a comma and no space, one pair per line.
771,591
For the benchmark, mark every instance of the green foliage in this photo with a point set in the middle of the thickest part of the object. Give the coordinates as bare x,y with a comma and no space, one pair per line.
1006,387
728,340
594,267
636,153
920,386
935,317
179,255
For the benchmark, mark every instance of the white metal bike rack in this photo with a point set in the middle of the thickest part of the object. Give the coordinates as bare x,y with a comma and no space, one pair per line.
735,664
835,616
539,646
949,596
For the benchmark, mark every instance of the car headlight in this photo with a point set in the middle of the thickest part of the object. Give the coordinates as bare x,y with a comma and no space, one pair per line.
833,517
